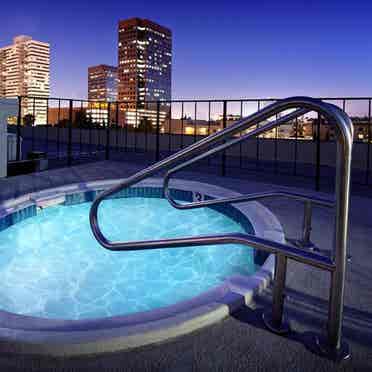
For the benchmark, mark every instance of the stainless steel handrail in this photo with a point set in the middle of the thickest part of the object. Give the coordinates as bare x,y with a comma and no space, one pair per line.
244,198
305,242
333,346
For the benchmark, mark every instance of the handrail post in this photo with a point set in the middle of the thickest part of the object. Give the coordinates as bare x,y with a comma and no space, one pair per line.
274,320
305,241
333,346
308,211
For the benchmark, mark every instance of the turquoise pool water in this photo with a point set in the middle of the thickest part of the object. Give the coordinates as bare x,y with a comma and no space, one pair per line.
51,266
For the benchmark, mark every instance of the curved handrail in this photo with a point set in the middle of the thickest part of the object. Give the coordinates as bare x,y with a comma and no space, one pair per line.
305,103
337,265
244,198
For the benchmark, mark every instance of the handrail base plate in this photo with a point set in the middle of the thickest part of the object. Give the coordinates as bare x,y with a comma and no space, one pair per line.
283,329
320,346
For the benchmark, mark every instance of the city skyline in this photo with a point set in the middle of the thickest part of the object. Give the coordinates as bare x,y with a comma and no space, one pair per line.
255,51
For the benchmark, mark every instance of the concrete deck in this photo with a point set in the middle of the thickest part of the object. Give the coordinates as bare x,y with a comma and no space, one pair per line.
239,343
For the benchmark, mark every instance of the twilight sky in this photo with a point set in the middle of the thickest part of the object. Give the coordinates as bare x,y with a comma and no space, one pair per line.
229,49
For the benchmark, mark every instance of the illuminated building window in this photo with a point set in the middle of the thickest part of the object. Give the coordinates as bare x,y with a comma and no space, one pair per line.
189,130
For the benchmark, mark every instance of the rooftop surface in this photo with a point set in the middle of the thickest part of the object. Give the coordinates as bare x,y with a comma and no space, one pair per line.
240,342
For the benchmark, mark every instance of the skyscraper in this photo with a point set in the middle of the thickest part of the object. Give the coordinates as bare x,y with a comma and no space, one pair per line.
144,68
24,71
102,88
102,83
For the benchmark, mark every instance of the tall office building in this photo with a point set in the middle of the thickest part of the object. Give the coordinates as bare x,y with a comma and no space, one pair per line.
144,68
102,83
24,71
102,88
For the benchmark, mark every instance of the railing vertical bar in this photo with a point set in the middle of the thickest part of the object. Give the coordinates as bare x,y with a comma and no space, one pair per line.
117,126
47,127
107,146
146,134
32,126
157,130
195,124
241,145
19,120
90,133
59,130
126,128
80,123
276,148
98,131
136,128
368,143
209,126
257,139
69,148
170,129
182,114
295,148
224,122
317,159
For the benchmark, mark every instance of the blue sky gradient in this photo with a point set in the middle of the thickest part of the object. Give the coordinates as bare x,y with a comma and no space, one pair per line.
226,49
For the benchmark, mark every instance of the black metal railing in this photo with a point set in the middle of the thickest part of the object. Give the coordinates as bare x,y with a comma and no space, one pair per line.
72,131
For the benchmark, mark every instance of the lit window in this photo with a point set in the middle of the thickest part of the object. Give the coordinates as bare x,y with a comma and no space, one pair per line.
189,130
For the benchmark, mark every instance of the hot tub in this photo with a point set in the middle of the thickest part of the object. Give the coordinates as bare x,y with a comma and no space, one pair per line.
64,294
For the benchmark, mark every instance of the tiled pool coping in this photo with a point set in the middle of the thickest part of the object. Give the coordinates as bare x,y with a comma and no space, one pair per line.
25,334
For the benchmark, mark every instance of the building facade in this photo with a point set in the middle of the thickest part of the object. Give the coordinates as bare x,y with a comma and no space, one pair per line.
25,71
102,83
144,69
102,88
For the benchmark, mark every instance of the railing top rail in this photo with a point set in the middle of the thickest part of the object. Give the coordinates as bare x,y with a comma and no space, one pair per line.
201,100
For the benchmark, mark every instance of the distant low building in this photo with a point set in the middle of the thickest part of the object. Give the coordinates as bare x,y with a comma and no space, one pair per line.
58,116
191,127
